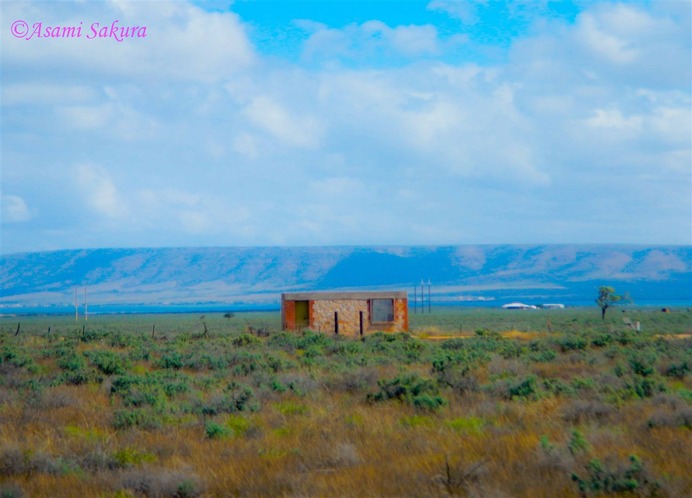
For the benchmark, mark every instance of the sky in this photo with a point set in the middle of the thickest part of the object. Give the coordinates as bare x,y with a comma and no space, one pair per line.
286,123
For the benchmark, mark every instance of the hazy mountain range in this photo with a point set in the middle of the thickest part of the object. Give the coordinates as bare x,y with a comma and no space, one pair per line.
230,275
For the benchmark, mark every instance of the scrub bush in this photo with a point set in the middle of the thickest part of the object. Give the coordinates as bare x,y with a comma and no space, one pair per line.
410,389
600,478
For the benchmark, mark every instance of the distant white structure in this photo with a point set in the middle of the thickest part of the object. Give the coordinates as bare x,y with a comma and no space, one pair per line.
519,306
554,306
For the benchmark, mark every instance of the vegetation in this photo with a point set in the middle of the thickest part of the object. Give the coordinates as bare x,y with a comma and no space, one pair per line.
606,298
470,403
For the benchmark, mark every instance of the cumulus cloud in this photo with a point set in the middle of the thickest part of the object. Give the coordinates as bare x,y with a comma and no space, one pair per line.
14,209
291,128
368,41
376,133
176,34
100,191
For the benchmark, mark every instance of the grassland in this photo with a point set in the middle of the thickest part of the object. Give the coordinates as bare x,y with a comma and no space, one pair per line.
470,403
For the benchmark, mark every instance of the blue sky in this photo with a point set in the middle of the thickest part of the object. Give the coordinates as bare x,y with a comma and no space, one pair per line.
346,123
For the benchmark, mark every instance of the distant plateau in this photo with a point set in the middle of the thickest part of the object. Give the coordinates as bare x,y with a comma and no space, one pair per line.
253,277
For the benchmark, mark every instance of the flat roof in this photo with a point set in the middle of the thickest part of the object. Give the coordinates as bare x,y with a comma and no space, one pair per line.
346,295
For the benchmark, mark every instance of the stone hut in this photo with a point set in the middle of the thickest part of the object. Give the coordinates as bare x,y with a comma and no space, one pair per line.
348,313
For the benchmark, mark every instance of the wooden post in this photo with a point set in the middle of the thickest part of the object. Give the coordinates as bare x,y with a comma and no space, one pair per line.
336,322
361,323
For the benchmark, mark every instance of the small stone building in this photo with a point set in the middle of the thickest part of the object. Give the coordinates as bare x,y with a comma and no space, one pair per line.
347,313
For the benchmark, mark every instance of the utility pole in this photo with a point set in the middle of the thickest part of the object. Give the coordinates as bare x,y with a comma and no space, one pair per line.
76,306
429,300
422,296
86,315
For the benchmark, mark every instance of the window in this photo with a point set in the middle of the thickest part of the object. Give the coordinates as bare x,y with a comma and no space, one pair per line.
381,310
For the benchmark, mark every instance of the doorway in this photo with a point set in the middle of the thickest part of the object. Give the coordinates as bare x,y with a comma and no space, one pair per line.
302,315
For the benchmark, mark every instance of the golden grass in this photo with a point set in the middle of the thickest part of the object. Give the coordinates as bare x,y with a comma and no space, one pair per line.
436,334
329,441
342,447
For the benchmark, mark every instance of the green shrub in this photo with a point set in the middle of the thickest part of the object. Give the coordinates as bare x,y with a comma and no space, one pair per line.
600,479
542,355
411,389
214,430
429,403
601,340
454,344
645,387
72,362
677,370
641,364
572,343
151,389
284,340
145,419
172,360
578,443
91,335
108,362
235,398
558,387
14,357
522,388
245,340
77,377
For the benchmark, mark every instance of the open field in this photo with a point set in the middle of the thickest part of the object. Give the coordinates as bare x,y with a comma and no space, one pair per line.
473,402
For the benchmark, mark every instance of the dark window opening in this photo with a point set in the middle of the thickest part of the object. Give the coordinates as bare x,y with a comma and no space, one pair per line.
381,310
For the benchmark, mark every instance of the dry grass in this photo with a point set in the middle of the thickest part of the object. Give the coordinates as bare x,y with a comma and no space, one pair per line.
314,432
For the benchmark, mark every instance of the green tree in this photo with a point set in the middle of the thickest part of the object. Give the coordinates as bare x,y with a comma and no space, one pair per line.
606,298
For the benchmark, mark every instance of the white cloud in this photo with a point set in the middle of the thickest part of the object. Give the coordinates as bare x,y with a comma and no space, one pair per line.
110,118
100,191
294,129
192,137
466,10
601,41
177,33
370,40
14,209
613,119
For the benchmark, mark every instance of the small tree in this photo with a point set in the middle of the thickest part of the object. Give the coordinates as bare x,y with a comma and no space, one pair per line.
606,298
